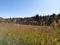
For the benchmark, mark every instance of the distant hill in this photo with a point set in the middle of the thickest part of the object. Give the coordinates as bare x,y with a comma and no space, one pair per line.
35,20
1,18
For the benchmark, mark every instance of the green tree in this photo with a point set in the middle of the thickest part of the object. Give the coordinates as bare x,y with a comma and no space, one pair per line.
59,16
53,20
37,17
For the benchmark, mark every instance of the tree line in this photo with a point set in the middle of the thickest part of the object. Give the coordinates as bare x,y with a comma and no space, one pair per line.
36,20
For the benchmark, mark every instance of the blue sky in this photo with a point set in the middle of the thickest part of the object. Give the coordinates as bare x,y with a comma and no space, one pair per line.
26,8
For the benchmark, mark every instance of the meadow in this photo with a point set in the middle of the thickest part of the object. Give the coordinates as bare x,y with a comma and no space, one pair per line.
17,34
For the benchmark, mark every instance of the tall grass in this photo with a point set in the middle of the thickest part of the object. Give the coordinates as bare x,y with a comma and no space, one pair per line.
15,34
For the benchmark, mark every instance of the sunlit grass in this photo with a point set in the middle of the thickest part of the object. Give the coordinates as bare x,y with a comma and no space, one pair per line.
15,34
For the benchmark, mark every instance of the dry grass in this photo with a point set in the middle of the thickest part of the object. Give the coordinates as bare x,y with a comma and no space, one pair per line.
15,34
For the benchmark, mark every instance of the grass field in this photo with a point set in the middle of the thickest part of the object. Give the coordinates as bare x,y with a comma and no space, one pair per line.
15,34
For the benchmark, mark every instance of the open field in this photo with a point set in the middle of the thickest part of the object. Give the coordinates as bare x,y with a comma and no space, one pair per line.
15,34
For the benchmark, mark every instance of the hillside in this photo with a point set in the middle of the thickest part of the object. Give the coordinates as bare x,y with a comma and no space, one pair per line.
18,34
48,20
36,30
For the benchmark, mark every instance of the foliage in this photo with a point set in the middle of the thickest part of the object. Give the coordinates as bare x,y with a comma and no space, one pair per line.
35,20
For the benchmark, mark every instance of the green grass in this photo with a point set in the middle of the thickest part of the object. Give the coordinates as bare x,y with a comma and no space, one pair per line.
15,34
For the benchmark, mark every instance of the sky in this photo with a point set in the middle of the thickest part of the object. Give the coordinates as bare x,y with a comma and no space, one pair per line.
28,8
